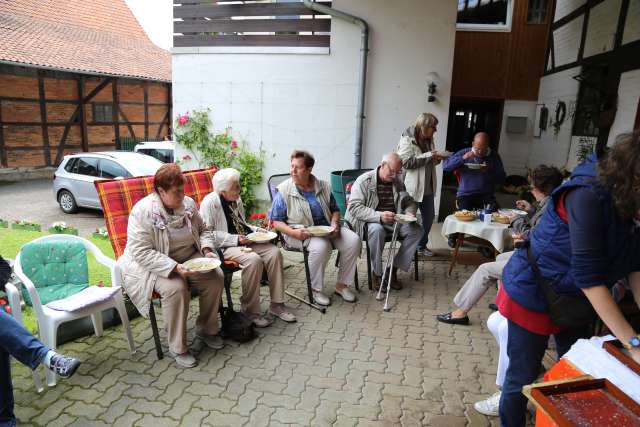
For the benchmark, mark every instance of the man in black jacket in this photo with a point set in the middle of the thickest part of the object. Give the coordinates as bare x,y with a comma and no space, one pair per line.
16,341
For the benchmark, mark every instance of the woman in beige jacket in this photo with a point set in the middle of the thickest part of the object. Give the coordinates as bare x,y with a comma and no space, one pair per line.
165,230
223,213
419,158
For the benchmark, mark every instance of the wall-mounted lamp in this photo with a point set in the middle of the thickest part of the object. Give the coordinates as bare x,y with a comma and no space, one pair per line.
432,90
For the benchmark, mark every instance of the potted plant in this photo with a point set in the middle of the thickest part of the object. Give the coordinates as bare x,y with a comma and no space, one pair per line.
258,220
24,224
100,233
61,227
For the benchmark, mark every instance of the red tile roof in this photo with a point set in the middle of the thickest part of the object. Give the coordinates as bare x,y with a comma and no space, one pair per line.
96,36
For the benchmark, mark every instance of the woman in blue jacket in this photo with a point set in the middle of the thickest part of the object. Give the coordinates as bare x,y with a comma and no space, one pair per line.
587,239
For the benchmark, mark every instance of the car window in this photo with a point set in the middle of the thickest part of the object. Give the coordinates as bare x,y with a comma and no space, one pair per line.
164,155
87,166
110,169
71,165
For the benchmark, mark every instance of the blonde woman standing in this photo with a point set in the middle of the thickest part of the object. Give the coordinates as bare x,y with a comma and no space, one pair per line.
419,159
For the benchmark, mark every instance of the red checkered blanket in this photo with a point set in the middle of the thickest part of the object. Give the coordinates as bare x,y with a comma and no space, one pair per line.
117,197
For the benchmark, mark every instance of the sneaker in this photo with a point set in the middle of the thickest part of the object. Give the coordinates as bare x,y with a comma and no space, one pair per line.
63,365
259,320
346,294
186,360
280,311
321,298
425,252
214,342
489,406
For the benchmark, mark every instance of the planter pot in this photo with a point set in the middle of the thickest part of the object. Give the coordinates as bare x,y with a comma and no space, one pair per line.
4,224
72,231
28,227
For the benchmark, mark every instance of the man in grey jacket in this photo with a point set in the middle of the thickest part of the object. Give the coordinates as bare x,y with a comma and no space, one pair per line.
376,197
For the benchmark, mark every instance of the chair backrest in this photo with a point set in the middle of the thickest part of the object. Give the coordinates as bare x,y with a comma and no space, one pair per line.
274,181
58,268
118,197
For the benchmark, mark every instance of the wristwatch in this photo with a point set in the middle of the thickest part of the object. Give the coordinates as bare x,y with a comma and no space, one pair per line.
634,342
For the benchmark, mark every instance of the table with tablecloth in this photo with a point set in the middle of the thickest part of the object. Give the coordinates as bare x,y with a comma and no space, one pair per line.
495,233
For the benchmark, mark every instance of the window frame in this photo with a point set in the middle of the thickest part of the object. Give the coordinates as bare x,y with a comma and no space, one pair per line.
76,168
101,105
126,172
504,28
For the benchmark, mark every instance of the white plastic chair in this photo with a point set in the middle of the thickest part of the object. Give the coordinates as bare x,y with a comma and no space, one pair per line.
49,320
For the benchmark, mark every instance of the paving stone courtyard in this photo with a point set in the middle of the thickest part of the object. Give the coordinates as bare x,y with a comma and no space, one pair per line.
353,366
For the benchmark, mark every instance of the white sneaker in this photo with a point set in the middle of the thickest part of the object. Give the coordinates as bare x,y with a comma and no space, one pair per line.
489,406
346,294
321,299
186,360
212,341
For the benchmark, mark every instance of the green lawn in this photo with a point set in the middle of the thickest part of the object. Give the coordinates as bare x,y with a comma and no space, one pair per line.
12,240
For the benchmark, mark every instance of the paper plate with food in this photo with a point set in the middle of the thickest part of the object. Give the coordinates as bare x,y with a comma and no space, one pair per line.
475,166
320,230
405,219
262,236
512,212
202,265
501,219
465,215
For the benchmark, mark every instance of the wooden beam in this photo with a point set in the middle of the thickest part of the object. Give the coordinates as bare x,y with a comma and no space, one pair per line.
43,118
253,9
114,111
252,25
585,27
169,110
636,125
3,151
84,138
575,13
164,120
128,123
146,110
263,40
622,19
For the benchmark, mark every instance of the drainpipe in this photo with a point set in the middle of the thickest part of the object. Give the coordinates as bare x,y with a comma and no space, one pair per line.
362,78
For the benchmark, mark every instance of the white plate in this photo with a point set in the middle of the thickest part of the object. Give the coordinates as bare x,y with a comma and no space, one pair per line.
319,230
261,236
405,219
202,265
512,212
475,165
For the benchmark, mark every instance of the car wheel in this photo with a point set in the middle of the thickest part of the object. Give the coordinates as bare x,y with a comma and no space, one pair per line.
67,202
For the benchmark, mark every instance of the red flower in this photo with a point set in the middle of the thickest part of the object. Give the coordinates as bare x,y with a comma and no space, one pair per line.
234,144
183,119
262,215
7,309
254,216
186,157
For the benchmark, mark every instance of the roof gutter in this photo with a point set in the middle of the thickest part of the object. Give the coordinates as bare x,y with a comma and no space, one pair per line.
362,78
78,71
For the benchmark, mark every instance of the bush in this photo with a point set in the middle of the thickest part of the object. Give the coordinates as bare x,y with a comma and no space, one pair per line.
221,150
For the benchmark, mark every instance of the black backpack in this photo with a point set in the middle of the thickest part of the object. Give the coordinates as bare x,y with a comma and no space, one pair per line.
236,326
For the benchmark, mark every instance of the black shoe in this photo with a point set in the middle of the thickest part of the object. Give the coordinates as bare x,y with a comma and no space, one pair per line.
493,307
451,241
63,365
446,318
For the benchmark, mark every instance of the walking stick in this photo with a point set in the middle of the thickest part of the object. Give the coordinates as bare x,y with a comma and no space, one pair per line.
387,274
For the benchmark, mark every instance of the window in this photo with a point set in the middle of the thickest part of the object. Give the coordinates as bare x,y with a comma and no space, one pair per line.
484,15
165,156
71,165
88,166
537,12
110,170
103,113
591,100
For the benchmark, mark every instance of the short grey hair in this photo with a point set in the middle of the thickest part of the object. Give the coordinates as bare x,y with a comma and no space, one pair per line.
389,157
224,179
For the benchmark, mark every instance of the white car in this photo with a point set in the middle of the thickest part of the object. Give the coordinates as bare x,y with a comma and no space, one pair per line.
73,180
165,151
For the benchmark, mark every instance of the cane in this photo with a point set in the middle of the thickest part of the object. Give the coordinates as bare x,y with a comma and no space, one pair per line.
387,274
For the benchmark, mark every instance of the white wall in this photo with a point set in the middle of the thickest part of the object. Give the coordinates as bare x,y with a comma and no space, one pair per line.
515,148
287,101
632,24
601,32
628,96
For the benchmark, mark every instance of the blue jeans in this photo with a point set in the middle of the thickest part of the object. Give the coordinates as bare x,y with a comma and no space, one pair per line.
428,213
15,341
526,350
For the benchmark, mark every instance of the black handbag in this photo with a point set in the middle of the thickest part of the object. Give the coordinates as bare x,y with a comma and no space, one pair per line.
566,311
236,326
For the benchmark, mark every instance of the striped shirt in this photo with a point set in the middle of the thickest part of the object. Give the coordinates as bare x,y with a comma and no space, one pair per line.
385,197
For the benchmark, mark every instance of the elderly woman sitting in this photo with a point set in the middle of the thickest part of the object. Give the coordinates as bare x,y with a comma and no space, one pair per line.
302,201
224,214
165,230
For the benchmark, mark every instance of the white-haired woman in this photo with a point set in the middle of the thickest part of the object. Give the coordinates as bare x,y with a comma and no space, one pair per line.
223,213
419,158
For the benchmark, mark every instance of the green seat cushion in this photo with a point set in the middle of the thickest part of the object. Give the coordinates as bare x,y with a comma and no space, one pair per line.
58,268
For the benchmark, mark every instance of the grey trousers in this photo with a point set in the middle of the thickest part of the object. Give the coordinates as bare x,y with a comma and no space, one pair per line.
486,275
411,235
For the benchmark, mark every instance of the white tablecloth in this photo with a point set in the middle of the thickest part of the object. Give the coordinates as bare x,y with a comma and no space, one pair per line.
498,234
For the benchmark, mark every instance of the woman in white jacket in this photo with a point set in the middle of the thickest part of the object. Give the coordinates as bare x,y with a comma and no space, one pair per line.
419,158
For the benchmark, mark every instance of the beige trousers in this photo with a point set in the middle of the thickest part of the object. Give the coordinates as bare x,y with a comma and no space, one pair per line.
263,256
175,296
485,276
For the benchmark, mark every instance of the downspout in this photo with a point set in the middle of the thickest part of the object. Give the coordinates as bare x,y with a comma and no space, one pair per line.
362,78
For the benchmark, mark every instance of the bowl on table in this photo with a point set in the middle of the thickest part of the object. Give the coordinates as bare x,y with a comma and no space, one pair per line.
202,265
464,215
262,236
320,230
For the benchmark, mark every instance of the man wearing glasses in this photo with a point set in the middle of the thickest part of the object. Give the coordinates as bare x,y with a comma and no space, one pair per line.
376,197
